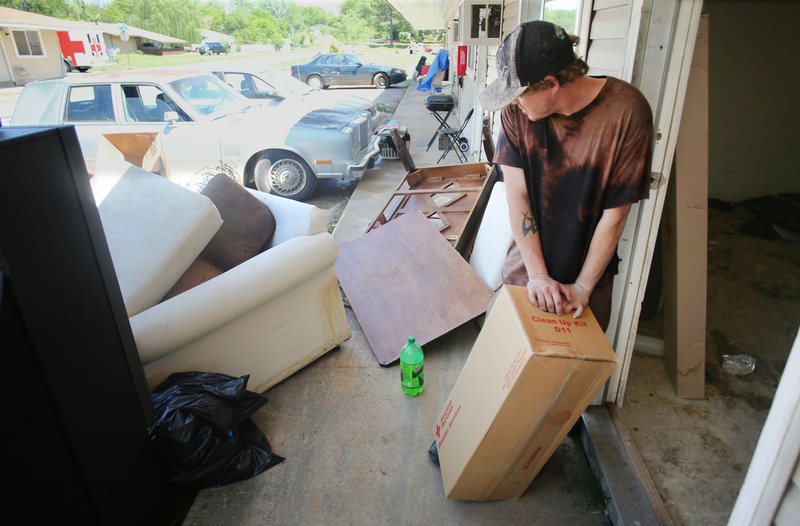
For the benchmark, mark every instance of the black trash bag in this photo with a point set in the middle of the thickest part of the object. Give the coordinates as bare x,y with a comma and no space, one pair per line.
203,434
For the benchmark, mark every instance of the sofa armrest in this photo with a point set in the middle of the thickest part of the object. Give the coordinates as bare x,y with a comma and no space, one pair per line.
493,239
292,218
182,319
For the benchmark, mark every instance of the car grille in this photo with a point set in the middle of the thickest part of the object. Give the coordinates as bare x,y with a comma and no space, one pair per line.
361,129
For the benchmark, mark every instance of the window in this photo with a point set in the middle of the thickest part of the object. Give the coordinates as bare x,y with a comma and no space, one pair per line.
482,21
28,44
563,13
207,95
146,103
90,104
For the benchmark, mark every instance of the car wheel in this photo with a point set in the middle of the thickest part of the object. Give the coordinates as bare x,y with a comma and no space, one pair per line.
83,69
315,81
285,174
381,80
67,66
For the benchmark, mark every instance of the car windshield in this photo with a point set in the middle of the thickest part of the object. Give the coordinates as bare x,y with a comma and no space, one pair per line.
285,84
209,96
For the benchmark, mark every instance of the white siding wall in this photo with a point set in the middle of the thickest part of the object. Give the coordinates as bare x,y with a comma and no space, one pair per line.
129,46
514,13
27,69
608,37
511,16
5,70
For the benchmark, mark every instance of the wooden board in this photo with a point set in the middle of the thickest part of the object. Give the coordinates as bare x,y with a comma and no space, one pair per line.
452,197
684,232
404,279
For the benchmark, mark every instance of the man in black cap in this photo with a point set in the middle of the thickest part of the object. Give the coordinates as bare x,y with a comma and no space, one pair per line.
575,151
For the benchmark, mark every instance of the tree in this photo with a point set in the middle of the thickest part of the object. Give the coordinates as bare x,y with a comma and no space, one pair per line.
255,23
56,8
83,11
377,14
176,18
262,29
213,16
352,30
561,17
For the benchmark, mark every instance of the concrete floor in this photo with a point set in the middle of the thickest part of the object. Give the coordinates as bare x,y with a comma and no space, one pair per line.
355,446
698,451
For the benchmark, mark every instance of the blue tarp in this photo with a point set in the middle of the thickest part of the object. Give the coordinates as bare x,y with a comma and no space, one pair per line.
440,63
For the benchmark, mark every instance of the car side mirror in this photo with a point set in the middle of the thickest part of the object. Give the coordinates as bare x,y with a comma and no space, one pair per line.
171,117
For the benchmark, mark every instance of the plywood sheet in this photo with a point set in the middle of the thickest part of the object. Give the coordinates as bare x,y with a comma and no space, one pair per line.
404,279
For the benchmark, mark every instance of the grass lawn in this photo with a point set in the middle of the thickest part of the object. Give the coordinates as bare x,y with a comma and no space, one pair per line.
141,61
384,54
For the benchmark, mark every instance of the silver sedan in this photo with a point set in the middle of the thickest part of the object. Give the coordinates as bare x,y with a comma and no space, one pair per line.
208,127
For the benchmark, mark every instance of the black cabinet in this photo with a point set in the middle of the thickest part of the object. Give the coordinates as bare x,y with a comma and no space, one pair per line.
75,403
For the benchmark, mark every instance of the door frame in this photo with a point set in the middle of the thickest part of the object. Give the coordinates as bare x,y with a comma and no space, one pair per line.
664,80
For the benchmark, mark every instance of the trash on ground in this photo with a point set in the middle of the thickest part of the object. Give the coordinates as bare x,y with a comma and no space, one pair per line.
738,364
203,434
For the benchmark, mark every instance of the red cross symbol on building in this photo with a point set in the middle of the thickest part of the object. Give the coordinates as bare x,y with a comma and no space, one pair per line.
70,47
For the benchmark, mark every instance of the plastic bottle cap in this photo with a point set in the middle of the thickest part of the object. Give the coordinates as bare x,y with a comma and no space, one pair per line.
411,339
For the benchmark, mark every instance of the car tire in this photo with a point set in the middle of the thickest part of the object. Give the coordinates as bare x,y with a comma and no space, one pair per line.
381,81
83,69
67,66
284,174
315,81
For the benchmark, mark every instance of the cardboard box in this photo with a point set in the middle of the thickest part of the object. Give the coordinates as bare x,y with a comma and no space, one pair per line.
144,150
527,380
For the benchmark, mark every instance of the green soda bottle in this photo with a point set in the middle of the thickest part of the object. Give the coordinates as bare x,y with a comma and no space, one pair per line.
412,374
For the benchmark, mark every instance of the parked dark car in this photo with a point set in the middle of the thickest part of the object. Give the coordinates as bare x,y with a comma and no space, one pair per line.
215,48
151,48
345,69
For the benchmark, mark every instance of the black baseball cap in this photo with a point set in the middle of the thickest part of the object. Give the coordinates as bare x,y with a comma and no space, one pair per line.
526,56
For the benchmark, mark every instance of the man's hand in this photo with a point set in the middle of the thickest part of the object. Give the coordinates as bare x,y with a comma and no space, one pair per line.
577,299
546,293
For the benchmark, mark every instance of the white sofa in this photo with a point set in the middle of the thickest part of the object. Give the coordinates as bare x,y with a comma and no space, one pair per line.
493,239
267,317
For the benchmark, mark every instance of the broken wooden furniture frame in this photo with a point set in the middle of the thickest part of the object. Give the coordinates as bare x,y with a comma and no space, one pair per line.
452,197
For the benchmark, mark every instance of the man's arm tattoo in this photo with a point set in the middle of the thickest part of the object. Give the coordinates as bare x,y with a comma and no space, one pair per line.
529,225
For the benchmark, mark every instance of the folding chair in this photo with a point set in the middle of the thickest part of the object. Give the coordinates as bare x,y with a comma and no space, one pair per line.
456,142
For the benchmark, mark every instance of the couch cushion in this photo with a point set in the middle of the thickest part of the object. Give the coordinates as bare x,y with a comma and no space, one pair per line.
155,229
201,270
247,226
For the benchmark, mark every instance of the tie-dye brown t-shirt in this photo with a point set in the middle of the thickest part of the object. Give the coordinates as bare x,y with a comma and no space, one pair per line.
575,167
